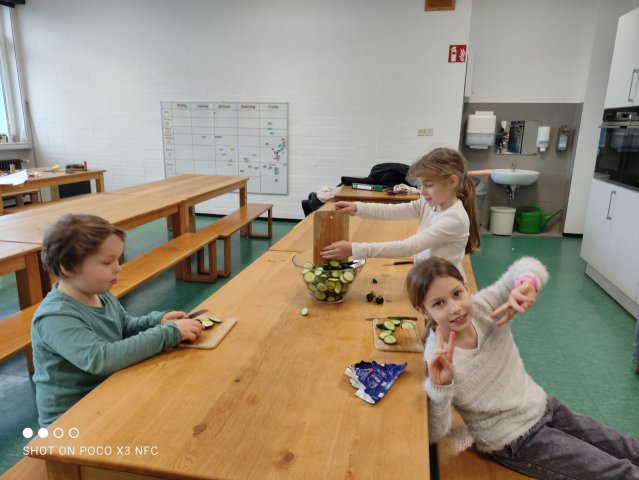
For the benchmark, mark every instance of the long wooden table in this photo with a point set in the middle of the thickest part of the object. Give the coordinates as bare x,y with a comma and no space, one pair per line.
271,401
39,178
346,192
125,209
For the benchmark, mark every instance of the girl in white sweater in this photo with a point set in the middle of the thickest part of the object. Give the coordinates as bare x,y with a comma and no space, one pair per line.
448,225
480,372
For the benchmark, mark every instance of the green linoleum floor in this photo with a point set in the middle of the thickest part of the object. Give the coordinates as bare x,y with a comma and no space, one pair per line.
576,341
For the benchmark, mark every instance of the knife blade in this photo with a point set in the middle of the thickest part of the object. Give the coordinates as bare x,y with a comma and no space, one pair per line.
398,262
197,313
392,318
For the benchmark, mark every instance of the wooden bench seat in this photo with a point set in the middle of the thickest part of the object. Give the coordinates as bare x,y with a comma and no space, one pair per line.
228,225
27,469
456,459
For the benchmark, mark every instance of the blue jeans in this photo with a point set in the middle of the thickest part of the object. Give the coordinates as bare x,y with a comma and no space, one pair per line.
635,352
565,445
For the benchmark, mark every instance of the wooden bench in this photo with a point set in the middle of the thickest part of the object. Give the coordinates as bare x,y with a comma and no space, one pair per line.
27,469
18,197
225,227
456,459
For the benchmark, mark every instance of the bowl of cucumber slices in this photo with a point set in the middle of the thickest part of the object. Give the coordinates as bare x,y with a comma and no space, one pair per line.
330,281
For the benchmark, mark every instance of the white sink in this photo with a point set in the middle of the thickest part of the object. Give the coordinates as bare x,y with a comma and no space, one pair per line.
508,176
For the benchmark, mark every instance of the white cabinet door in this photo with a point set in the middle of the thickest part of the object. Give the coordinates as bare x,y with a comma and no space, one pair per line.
594,246
623,251
623,82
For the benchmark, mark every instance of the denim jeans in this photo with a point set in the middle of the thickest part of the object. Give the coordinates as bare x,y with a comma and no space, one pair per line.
565,445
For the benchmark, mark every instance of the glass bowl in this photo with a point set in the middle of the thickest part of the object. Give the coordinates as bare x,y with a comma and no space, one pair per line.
329,282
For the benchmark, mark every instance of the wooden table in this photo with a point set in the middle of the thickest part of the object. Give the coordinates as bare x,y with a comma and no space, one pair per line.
346,192
270,402
22,259
53,180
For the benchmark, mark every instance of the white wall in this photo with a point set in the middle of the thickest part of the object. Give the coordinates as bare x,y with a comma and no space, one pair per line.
360,76
531,52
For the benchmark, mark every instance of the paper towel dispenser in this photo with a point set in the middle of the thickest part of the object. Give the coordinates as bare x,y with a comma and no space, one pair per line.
480,130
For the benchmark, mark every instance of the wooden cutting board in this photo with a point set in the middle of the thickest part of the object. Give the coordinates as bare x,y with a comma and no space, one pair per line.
212,336
328,227
407,340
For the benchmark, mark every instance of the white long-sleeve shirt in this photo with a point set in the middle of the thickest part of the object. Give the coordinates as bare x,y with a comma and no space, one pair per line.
491,390
439,233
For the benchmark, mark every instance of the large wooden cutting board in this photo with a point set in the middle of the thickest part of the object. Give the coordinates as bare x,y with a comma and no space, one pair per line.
212,336
328,227
407,340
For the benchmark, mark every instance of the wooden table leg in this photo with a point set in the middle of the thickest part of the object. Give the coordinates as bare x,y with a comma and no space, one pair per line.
99,183
181,225
243,201
28,282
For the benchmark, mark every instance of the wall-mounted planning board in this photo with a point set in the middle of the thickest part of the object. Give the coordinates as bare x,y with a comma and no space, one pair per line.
228,138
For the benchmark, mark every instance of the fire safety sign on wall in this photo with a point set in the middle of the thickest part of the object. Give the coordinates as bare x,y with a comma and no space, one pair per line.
457,54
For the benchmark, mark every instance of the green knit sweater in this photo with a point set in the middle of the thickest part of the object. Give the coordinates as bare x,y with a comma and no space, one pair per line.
76,346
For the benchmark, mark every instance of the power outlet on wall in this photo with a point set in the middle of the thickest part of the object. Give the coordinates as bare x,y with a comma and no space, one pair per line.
425,132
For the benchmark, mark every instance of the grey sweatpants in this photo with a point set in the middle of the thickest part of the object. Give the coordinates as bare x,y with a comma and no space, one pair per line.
565,445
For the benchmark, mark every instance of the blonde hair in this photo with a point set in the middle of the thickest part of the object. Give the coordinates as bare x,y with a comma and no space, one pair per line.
73,238
440,165
421,277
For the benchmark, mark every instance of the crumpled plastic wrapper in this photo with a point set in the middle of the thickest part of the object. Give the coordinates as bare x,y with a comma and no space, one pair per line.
403,188
372,380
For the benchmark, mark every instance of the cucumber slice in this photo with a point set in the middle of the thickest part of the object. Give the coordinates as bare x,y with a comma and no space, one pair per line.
322,287
216,319
331,284
309,277
320,295
335,274
389,340
334,264
408,325
309,265
388,325
384,334
330,299
348,276
206,323
304,311
395,321
312,287
338,288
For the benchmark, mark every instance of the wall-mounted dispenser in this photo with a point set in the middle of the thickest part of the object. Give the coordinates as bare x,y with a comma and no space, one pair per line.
543,138
562,138
480,130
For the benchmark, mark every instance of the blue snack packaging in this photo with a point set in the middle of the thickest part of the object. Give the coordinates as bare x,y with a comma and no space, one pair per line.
372,380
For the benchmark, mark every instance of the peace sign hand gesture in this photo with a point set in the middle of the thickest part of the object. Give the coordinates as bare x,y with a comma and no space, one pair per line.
520,299
440,368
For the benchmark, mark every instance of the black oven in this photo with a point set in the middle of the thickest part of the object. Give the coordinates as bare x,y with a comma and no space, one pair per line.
618,152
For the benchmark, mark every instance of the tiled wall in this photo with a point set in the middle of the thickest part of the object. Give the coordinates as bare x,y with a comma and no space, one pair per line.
551,189
361,77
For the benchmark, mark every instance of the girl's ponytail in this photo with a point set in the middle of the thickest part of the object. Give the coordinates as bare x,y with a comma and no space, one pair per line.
467,196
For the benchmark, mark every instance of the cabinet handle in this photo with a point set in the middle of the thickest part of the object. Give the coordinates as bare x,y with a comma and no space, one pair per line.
608,217
632,82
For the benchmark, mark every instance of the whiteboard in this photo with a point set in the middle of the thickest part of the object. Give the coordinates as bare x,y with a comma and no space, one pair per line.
228,138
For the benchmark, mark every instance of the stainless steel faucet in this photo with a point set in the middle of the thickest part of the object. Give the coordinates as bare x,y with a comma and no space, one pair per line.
513,166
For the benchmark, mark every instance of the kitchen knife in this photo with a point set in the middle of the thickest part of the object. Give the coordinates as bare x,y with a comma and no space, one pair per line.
398,262
392,318
197,313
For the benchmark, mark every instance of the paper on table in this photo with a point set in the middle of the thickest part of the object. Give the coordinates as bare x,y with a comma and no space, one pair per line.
17,178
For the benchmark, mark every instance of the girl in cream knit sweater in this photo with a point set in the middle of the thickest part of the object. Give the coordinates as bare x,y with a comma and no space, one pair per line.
479,371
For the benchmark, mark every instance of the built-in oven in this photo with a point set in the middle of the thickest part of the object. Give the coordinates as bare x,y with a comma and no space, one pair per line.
618,152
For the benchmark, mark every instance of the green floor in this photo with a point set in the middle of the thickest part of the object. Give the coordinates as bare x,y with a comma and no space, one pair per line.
576,341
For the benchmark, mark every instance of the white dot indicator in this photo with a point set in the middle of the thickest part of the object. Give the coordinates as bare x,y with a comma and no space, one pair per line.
27,433
43,433
58,432
74,432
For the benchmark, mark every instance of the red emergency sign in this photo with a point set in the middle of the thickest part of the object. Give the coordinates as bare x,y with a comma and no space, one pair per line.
457,54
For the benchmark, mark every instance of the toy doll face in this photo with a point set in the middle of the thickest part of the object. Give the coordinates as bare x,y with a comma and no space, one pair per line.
448,303
99,271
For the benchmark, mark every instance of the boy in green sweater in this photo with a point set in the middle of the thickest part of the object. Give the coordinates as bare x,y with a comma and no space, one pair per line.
81,334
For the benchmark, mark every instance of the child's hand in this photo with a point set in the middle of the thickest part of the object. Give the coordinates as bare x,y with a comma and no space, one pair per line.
173,315
346,207
519,300
337,250
190,329
440,368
